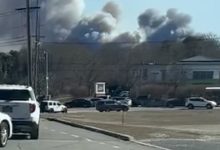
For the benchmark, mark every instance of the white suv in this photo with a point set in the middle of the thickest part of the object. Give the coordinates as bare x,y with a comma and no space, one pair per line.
5,128
52,106
20,104
200,102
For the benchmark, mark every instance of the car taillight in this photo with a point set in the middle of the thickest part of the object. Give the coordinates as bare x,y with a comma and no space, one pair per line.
32,107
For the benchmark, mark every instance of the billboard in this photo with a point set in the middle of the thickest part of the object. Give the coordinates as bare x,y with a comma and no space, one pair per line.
100,88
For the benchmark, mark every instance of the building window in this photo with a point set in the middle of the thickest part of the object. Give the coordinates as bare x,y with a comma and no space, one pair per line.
203,75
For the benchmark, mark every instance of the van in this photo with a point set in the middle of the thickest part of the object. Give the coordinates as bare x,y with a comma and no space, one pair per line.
52,106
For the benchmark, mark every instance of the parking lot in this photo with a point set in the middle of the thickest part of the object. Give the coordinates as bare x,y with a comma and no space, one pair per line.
173,128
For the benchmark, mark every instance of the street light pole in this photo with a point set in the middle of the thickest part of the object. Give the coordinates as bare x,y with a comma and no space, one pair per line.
29,44
46,74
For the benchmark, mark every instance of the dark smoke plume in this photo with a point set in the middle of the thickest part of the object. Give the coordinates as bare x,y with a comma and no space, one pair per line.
61,16
97,28
150,18
113,9
172,26
128,38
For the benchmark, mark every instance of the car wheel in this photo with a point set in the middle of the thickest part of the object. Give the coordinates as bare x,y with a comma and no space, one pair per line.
100,110
209,106
4,130
64,110
170,105
35,133
190,106
51,110
125,109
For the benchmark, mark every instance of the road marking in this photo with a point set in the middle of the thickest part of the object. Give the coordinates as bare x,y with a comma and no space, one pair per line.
63,133
116,147
102,143
89,140
52,130
73,135
151,145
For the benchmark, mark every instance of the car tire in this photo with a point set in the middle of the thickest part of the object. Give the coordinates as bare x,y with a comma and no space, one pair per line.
190,106
64,110
125,109
4,133
209,106
51,110
170,105
35,133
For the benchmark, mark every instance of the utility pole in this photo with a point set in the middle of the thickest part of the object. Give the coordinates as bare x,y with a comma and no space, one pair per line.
37,46
29,44
46,74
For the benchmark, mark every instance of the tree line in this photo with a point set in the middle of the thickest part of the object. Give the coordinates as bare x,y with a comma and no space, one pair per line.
75,67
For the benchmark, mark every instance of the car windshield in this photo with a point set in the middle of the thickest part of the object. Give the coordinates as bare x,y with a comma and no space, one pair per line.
143,71
10,95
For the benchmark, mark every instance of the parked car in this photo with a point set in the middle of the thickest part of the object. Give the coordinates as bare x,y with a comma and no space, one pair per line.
110,105
52,106
79,103
123,100
193,102
95,100
104,97
20,104
173,102
6,129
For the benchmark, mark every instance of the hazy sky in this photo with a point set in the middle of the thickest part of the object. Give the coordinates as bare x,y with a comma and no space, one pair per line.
205,13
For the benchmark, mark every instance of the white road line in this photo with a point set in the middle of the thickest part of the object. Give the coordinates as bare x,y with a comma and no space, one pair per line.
102,143
89,140
116,147
73,135
63,133
151,145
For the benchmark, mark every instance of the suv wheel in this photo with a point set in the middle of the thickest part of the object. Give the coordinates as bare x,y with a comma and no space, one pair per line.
4,130
64,110
51,110
35,133
190,106
209,106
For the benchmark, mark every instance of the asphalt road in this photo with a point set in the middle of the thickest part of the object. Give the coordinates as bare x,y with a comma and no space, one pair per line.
56,136
92,109
188,144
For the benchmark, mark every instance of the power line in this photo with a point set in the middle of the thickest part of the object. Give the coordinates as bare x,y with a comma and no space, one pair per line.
15,44
15,41
12,38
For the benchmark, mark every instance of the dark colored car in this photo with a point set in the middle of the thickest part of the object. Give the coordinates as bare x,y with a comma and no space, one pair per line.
173,102
110,105
95,100
79,103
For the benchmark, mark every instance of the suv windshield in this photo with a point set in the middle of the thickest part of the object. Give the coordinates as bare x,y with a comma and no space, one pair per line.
14,95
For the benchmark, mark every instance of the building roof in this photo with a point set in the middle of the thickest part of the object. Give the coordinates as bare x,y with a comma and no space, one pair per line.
200,59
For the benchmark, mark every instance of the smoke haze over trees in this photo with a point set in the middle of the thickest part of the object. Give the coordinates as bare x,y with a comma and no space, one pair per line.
70,36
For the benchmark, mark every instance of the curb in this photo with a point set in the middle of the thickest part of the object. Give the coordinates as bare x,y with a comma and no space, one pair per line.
94,129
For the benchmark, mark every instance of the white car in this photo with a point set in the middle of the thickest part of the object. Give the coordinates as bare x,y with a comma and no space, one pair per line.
52,106
5,129
20,104
193,102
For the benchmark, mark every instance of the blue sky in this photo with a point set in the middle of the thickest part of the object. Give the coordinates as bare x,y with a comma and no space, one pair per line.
205,13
